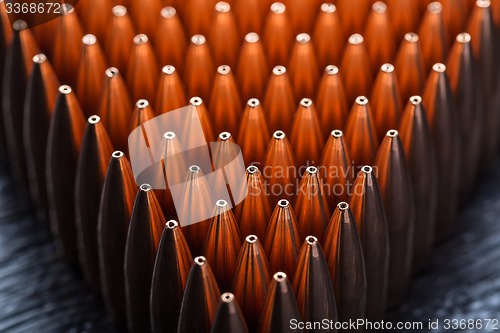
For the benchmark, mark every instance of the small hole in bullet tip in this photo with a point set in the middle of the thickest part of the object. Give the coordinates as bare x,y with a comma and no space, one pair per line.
64,89
362,100
119,10
200,260
169,135
278,8
223,69
463,38
94,119
283,203
112,72
343,205
312,170
117,154
306,102
39,58
279,70
253,102
252,169
168,69
280,276
221,203
194,168
331,70
328,8
279,135
251,239
142,103
388,68
311,240
411,37
172,224
196,101
225,136
227,297
145,187
441,68
337,133
366,169
140,39
392,133
415,100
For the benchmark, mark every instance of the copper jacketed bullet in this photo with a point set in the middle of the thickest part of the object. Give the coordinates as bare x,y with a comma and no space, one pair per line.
409,66
433,37
344,256
353,15
253,136
336,169
356,69
201,297
279,101
171,41
420,155
386,101
280,306
198,69
120,39
328,37
171,94
117,199
63,148
303,67
143,70
93,162
277,36
405,15
313,285
224,38
371,221
361,136
170,274
229,317
143,238
331,102
396,189
445,129
252,71
146,15
202,112
455,14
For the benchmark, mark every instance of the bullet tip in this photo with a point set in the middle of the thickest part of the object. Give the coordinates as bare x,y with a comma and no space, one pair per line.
328,8
483,3
387,68
367,169
222,7
331,70
221,203
224,136
252,169
411,37
311,240
140,39
117,154
169,135
89,39
251,239
343,206
279,70
392,133
119,10
94,119
227,297
306,102
435,8
253,102
19,25
223,69
279,135
463,38
196,101
112,72
198,39
415,100
439,67
252,37
279,276
283,203
278,8
379,7
303,38
312,170
65,89
168,69
172,224
194,169
361,100
200,261
145,188
337,133
356,39
39,58
142,104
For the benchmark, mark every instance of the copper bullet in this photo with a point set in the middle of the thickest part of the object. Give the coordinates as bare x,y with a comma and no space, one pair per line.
117,199
224,38
95,153
282,240
279,101
89,84
229,317
203,116
198,69
249,16
361,135
225,151
306,137
313,285
445,129
119,40
386,101
433,36
198,18
225,104
41,94
201,297
281,172
455,15
67,45
410,68
143,238
143,70
420,155
302,14
405,16
328,37
171,41
171,93
142,113
380,40
63,148
170,274
280,306
353,15
356,68
396,189
253,136
331,102
251,280
336,169
252,71
303,68
146,15
96,22
311,205
277,36
344,256
371,221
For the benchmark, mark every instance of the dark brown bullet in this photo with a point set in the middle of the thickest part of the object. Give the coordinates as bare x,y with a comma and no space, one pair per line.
361,137
313,285
420,155
199,69
336,169
114,108
63,148
396,190
405,16
282,240
344,256
353,15
41,94
117,199
223,244
303,68
201,298
386,101
171,41
224,38
170,274
281,171
197,102
120,39
249,16
331,102
143,70
371,221
252,71
93,161
253,136
229,317
225,104
356,69
146,16
171,94
433,37
279,101
445,129
455,15
306,137
277,36
96,22
280,306
328,37
410,68
143,238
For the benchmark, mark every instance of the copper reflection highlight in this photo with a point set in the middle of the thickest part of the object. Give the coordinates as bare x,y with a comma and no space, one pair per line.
171,94
328,36
143,69
279,101
433,36
120,39
277,36
252,71
224,38
356,68
410,68
303,67
331,102
171,41
199,69
253,136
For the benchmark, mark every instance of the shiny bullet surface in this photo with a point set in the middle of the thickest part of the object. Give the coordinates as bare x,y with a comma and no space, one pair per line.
229,317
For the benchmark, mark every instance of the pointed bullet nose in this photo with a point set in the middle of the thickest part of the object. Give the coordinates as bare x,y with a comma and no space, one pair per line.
199,68
328,36
224,38
120,39
252,71
277,35
279,101
410,67
331,100
143,69
171,50
228,317
303,67
253,136
433,37
171,94
356,68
